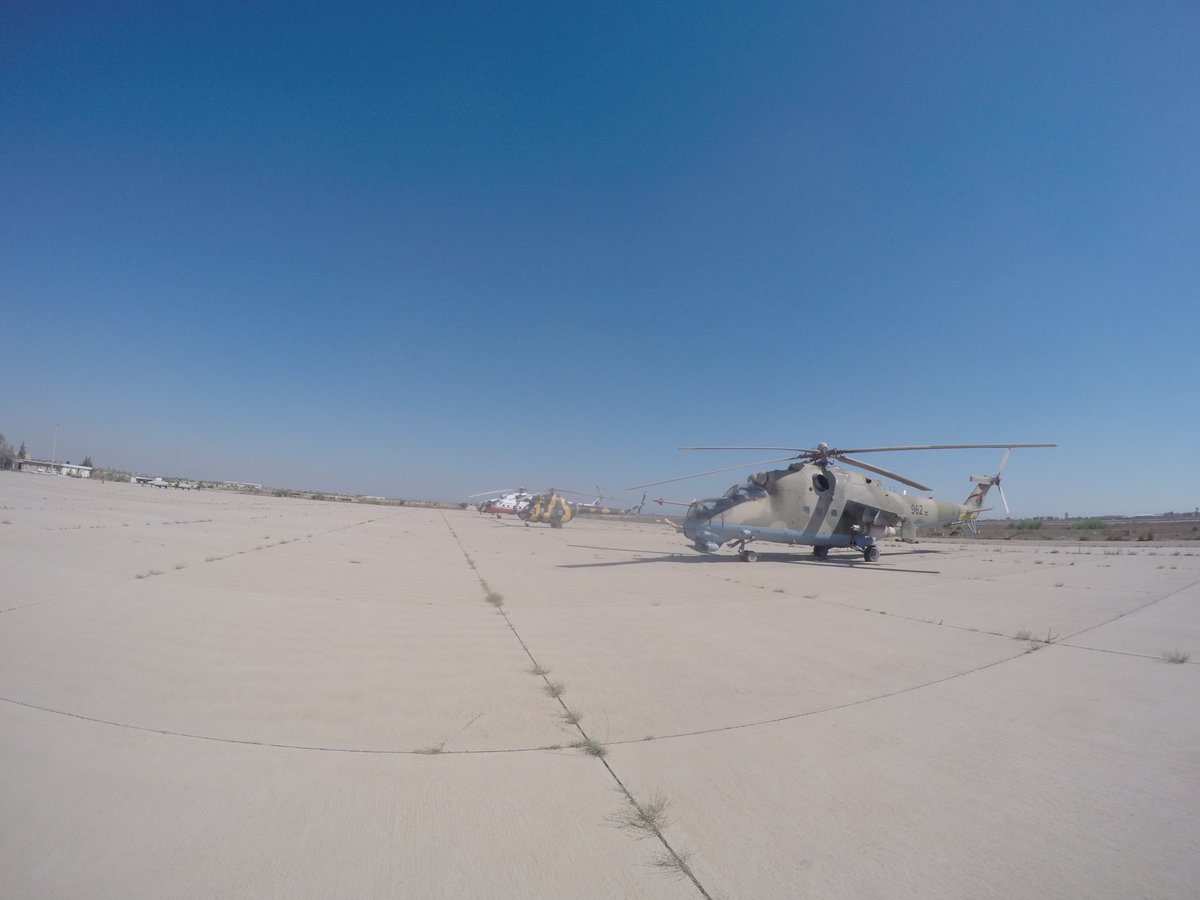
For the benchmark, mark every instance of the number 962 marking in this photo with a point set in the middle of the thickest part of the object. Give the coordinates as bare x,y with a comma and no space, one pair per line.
918,509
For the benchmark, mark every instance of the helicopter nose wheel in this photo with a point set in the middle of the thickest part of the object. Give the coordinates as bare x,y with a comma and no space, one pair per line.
821,552
746,555
871,554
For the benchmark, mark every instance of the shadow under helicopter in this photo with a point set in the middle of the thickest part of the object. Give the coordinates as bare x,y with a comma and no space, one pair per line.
831,561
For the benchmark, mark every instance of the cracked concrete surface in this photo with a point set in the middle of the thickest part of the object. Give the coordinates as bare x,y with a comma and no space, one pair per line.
212,694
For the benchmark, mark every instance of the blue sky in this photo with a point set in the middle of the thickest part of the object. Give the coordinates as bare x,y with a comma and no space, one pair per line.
423,250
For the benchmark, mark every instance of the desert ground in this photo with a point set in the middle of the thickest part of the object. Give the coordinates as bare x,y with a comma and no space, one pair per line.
209,694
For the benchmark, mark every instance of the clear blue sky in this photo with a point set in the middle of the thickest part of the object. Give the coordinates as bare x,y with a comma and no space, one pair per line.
423,250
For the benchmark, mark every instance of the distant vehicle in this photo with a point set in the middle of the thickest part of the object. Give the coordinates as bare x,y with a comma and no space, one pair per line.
154,482
813,502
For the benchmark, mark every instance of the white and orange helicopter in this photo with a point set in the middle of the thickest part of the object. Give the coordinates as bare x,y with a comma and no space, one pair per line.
504,501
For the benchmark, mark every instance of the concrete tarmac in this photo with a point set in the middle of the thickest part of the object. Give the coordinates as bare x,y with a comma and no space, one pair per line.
208,694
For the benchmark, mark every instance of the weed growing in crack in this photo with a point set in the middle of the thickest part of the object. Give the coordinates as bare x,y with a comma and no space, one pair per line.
591,747
643,820
674,864
1176,656
1039,643
572,717
495,599
1023,635
554,689
538,669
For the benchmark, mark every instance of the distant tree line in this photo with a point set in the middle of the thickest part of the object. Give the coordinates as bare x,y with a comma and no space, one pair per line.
8,456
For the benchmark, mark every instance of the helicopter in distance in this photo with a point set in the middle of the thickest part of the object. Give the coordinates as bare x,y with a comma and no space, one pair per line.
598,508
503,502
814,502
554,509
550,507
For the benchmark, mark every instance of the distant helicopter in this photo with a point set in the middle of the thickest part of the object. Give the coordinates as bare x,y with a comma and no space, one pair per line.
813,502
504,502
597,508
549,507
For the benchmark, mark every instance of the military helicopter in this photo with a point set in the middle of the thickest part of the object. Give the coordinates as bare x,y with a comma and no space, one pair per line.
549,507
507,503
597,508
816,503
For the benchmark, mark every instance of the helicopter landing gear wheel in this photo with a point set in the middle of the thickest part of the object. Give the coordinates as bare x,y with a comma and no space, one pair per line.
748,555
821,552
871,554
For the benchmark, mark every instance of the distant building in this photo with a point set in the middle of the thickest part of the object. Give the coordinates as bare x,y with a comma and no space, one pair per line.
43,467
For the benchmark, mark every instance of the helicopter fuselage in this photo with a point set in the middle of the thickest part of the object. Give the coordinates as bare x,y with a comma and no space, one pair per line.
814,504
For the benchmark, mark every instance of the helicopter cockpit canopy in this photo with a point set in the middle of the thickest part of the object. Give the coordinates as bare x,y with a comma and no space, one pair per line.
739,493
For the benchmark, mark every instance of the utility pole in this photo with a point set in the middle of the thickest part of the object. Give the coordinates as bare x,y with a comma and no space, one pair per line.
54,446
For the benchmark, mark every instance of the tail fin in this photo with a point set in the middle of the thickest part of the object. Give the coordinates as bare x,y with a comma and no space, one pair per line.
983,484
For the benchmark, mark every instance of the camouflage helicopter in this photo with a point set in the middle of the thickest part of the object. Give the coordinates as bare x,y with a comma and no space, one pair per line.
814,502
550,507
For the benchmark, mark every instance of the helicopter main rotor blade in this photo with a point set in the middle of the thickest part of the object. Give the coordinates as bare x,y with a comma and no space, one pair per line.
884,472
638,487
789,449
838,451
499,491
1003,500
815,452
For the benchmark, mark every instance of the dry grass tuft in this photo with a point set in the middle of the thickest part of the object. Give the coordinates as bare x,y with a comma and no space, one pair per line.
554,689
674,864
591,747
643,819
495,599
1176,656
1039,643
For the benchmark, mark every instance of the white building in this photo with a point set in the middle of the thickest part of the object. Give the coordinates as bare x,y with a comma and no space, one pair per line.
42,467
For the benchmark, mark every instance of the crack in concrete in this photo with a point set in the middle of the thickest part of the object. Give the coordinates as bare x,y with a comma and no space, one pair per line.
677,860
